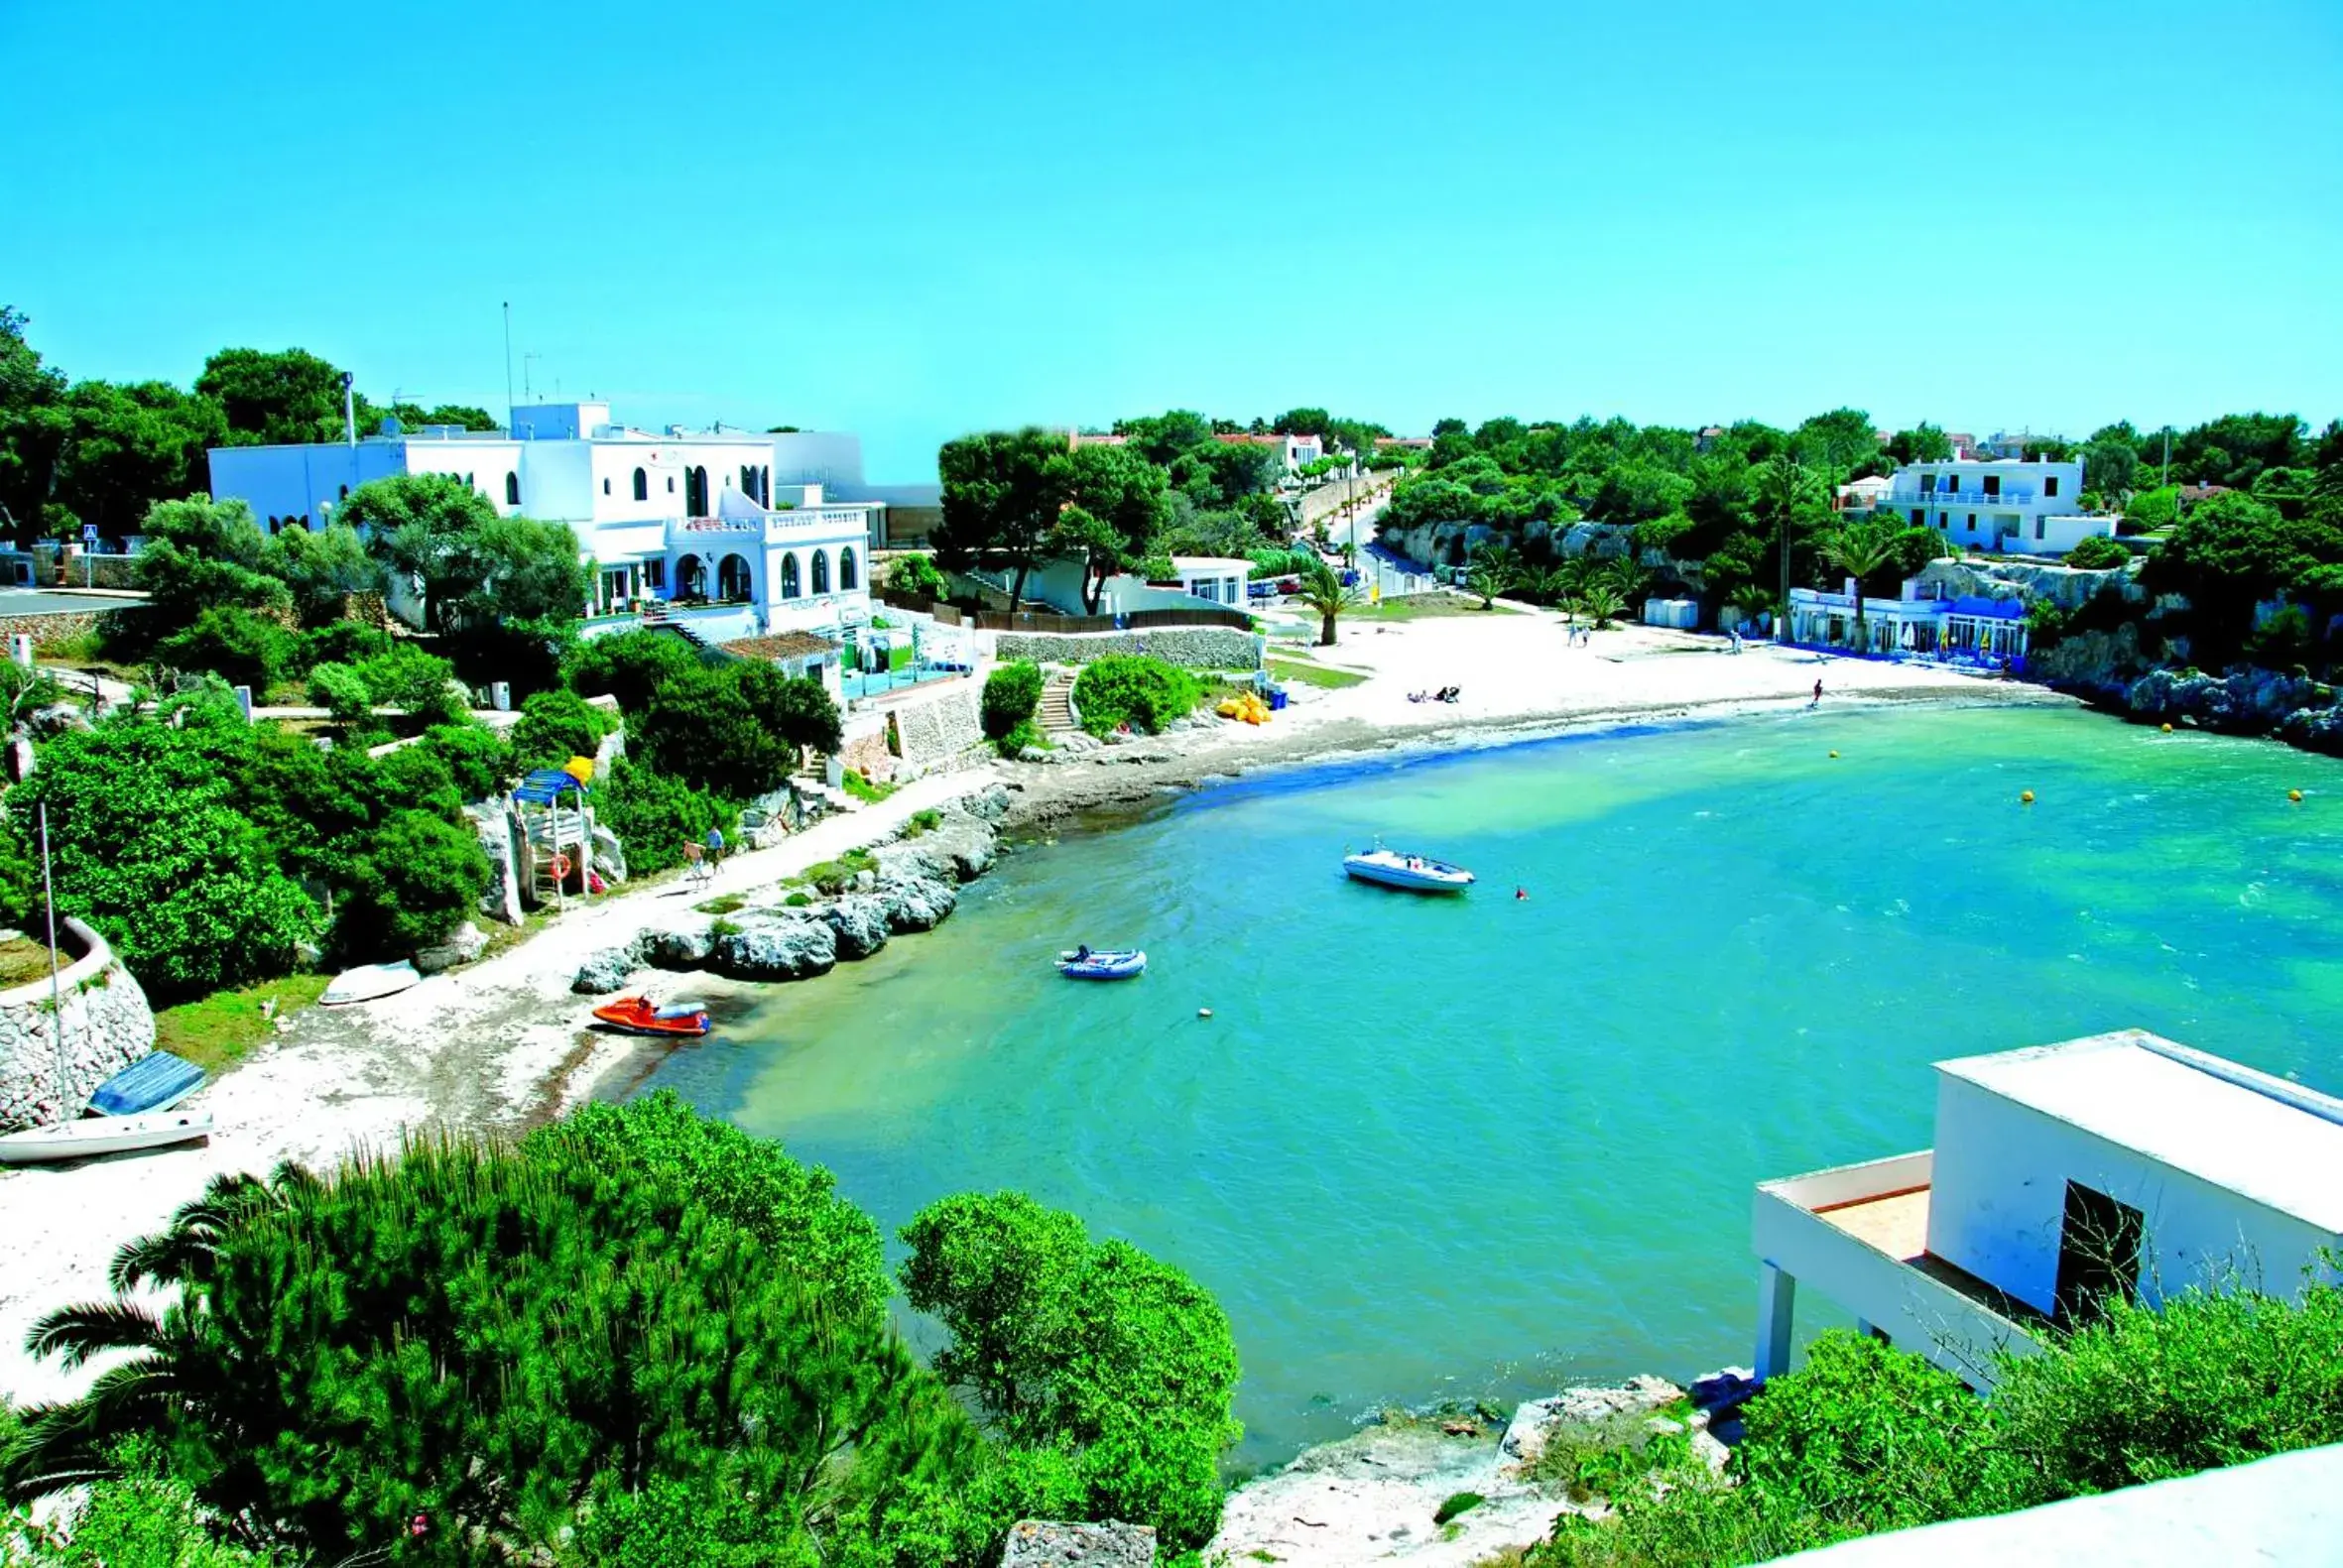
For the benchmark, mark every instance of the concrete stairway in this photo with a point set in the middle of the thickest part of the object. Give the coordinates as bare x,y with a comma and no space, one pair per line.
1056,713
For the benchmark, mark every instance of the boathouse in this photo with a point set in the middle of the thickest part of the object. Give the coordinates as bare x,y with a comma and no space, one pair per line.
2119,1163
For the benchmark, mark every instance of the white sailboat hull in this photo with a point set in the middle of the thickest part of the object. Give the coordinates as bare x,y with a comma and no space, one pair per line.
103,1135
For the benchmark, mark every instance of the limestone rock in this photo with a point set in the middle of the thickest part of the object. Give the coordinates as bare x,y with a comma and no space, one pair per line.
464,944
988,804
1044,1543
957,849
778,947
915,904
607,970
859,922
684,947
1532,1425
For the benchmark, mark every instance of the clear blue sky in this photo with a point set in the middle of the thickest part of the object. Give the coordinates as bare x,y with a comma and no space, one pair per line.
916,221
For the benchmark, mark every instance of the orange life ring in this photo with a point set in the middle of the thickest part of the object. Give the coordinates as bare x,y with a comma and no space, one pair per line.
559,868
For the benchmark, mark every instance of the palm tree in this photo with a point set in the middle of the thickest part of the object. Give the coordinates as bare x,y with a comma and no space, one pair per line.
1779,487
1601,602
1491,569
1545,585
1322,590
1861,550
77,1443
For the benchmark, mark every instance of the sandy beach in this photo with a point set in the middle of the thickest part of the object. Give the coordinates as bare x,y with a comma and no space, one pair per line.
503,1041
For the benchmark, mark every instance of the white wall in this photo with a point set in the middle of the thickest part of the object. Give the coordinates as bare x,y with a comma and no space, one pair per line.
820,457
1999,1201
297,481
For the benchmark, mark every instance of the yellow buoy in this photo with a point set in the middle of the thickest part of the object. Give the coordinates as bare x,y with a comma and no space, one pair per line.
2294,795
1834,754
2167,729
2025,798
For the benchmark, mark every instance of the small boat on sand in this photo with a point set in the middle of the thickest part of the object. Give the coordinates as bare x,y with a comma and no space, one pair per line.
642,1015
368,983
156,1082
1102,963
1411,873
103,1135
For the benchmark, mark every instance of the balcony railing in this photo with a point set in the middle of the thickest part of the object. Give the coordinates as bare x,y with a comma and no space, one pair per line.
1959,498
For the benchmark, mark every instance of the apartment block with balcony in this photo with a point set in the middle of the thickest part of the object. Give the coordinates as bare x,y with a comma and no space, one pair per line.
2118,1163
1997,504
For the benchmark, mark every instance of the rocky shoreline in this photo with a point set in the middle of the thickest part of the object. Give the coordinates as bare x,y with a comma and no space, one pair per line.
781,933
1389,1492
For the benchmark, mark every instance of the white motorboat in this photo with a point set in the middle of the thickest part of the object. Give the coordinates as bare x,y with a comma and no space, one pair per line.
103,1135
1413,873
368,982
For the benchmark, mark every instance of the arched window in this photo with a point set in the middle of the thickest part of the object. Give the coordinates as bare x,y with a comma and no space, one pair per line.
605,486
643,485
789,576
695,492
748,481
846,582
733,579
670,484
822,571
512,489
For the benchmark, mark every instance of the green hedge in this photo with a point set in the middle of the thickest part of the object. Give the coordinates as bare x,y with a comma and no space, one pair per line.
1011,694
1135,690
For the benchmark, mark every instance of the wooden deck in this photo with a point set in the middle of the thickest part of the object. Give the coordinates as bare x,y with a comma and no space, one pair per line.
1897,1223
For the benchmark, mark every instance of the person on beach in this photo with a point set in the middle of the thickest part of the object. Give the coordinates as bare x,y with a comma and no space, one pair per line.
716,834
1817,702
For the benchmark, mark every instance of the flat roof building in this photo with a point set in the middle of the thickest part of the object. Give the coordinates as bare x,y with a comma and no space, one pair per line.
2120,1163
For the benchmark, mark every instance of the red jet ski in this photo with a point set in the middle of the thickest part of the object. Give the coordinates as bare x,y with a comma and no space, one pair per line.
642,1015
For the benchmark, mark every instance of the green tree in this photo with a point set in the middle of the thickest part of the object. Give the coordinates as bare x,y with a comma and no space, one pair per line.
2232,551
130,446
426,527
148,847
1780,489
999,502
34,424
654,816
1493,567
479,762
554,727
631,667
321,568
494,1339
286,396
200,555
1113,506
2110,467
1864,552
1922,443
1096,1347
1328,596
916,574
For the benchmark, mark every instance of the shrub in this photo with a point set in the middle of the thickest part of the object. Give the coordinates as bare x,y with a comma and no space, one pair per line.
554,727
631,667
343,692
655,815
403,675
420,877
1011,694
480,764
916,574
344,642
241,647
1457,1503
1122,1359
734,729
1017,740
1136,689
2097,553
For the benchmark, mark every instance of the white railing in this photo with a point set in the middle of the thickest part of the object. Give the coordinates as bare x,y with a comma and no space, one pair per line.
2011,497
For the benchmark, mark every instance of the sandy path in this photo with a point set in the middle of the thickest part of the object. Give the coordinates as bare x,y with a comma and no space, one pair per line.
485,1046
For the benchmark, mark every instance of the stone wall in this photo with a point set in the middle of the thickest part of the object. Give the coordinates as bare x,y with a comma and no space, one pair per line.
1195,646
868,745
107,1026
931,732
48,630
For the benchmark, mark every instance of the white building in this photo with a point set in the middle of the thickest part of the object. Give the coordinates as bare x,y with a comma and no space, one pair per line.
1998,504
1293,450
1923,623
735,534
2118,1163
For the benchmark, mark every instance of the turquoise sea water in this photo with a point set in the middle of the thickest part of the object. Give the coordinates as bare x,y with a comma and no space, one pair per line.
1470,1146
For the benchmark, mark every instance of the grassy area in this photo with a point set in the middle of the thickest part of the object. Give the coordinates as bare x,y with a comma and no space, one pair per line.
723,903
1311,675
24,960
216,1032
1424,606
868,792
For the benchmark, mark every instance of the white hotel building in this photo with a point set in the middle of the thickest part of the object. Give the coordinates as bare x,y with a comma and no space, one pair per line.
1997,504
733,534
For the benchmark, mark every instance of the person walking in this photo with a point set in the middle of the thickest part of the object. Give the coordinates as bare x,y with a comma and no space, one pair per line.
1817,702
716,834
